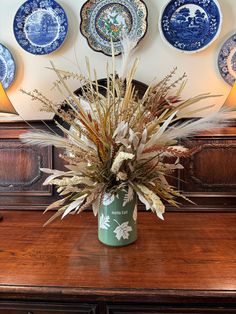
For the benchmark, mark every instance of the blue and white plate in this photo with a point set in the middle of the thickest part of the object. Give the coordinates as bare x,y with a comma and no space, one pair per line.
7,67
106,20
227,60
190,25
40,26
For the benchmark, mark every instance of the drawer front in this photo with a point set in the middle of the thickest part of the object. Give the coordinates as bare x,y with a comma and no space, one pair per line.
46,308
145,309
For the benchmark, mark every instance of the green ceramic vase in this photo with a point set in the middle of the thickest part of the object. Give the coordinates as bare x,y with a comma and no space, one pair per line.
116,223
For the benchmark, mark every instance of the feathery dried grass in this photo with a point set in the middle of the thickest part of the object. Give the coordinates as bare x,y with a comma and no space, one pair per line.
121,141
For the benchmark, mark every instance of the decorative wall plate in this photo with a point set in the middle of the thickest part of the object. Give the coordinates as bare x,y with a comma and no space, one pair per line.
190,25
227,60
40,26
7,67
103,20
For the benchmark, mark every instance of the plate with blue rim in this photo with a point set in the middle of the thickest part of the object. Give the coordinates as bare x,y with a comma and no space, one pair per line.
106,20
7,67
227,60
40,26
190,25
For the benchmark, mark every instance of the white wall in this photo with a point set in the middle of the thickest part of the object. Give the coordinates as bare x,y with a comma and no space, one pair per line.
156,57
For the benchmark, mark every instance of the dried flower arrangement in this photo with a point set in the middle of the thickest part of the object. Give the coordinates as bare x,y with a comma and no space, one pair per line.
121,141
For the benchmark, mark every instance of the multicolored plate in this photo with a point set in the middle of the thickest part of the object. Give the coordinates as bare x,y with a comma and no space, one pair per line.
190,25
227,60
40,26
7,67
106,20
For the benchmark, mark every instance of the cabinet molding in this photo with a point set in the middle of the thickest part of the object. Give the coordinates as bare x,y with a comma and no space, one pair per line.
20,169
23,307
21,181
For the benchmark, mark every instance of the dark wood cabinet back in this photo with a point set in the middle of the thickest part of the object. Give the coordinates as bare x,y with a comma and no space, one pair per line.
208,178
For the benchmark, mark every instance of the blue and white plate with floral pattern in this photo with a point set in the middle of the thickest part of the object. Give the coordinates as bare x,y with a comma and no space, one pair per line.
227,60
7,67
40,26
106,20
190,25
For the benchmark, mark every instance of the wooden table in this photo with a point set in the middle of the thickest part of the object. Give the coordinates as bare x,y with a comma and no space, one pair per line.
185,264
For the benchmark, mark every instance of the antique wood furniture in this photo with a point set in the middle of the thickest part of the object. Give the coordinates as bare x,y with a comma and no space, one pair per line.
186,264
20,176
209,177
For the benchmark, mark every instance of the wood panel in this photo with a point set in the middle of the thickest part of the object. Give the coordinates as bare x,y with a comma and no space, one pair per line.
208,178
183,265
21,181
209,175
152,309
14,307
211,168
20,169
186,258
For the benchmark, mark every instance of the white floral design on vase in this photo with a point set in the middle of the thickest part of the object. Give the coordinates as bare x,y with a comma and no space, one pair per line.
104,222
122,231
108,199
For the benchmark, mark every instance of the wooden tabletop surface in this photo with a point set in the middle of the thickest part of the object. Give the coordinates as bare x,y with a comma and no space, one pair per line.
187,251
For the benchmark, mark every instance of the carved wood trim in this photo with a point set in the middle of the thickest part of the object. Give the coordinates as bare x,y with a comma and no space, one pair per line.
192,165
21,181
209,175
21,149
23,164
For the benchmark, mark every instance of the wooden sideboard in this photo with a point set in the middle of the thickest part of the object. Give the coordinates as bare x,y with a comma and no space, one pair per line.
185,264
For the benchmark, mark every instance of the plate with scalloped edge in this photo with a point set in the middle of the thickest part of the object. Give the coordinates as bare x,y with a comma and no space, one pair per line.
106,20
40,26
227,60
190,25
7,67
